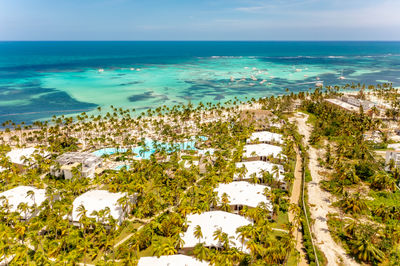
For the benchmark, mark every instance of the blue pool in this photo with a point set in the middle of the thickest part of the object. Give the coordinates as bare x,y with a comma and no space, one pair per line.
119,167
151,147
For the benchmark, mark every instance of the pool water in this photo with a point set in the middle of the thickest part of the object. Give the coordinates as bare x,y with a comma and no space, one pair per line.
150,148
119,167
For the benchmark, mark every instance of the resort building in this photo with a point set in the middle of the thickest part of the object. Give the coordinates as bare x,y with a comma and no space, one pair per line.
25,156
209,222
358,102
353,104
392,157
261,152
265,137
87,163
242,193
22,195
344,105
171,260
97,200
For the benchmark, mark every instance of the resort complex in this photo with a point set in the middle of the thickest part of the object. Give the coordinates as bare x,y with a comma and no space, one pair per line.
301,179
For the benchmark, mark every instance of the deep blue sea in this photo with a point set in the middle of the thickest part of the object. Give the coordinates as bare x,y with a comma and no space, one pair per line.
42,79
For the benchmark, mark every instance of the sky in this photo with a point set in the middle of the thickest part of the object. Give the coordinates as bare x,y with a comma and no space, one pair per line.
199,20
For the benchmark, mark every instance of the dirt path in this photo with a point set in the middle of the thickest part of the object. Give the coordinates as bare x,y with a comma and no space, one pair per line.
320,204
294,199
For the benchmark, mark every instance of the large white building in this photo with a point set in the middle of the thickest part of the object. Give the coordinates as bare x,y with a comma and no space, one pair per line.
257,168
87,163
261,151
265,137
97,200
15,196
393,156
171,260
211,221
22,156
242,193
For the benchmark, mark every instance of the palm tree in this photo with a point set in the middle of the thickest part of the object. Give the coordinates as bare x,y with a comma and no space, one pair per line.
197,232
164,248
31,194
201,252
225,203
353,204
365,250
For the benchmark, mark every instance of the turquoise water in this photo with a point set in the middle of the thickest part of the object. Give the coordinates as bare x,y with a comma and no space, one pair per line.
40,79
150,148
119,167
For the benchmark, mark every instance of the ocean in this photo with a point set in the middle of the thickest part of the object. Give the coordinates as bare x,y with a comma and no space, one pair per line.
42,79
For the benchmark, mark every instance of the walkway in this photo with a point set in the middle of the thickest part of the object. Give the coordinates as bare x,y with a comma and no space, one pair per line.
294,199
320,203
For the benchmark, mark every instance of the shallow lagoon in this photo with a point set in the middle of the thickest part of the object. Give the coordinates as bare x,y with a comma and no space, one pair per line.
40,79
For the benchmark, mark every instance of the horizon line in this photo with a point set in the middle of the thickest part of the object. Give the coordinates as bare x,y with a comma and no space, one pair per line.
200,40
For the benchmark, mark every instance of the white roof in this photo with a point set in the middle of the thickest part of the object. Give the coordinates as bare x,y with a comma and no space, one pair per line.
343,104
261,150
395,146
171,260
18,195
265,136
244,193
257,167
17,155
97,200
209,223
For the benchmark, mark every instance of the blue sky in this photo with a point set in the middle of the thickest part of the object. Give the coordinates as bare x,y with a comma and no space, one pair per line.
199,20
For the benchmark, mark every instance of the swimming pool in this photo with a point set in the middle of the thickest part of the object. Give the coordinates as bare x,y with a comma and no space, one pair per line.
150,147
119,167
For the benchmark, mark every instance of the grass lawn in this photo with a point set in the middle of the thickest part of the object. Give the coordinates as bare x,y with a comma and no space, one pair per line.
281,220
293,258
129,228
150,250
388,199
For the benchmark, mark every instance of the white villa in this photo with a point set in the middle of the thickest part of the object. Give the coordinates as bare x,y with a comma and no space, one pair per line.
257,168
97,200
15,196
20,157
265,137
242,193
171,260
261,151
211,221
